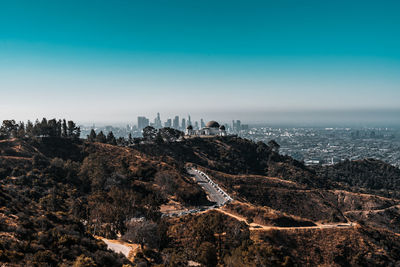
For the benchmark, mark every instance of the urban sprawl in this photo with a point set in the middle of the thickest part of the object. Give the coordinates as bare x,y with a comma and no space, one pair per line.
313,145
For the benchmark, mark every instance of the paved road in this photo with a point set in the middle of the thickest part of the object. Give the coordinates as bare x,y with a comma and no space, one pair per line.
220,197
215,193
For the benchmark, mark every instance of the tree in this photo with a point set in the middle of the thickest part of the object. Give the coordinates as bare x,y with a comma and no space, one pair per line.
121,141
72,130
159,139
43,129
8,129
59,128
92,136
29,129
149,133
111,138
84,261
143,233
170,134
207,254
130,140
71,127
167,181
21,130
52,128
101,138
36,128
64,128
274,146
77,133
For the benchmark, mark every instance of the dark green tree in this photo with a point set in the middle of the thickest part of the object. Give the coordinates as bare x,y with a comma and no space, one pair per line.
8,129
64,128
52,127
21,130
159,139
274,146
92,136
29,129
43,128
101,138
149,133
143,233
170,134
111,138
207,254
71,128
130,140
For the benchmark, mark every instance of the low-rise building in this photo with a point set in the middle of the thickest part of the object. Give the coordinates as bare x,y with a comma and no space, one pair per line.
212,128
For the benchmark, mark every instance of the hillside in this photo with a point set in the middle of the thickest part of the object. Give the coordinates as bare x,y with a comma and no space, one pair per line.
367,175
58,193
235,155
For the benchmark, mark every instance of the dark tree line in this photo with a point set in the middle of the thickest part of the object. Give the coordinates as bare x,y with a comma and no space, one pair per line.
150,134
106,139
44,128
165,134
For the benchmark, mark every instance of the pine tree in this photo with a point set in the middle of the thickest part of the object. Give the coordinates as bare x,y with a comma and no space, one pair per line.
130,140
71,128
43,128
21,130
29,129
64,128
101,138
111,138
92,136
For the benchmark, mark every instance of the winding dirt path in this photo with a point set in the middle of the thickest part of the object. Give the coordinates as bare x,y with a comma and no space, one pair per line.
260,227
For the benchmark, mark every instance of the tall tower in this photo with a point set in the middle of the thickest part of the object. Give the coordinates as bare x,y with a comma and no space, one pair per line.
183,124
157,121
142,122
189,121
176,122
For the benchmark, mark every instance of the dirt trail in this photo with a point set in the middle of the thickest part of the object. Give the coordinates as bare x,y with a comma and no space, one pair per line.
15,157
260,227
118,246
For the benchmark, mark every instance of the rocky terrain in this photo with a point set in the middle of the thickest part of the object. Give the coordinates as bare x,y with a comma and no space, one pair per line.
60,197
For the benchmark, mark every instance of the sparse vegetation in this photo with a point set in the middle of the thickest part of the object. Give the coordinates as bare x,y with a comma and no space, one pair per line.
58,191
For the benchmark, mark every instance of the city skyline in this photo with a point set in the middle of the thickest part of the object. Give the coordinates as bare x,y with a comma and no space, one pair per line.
259,61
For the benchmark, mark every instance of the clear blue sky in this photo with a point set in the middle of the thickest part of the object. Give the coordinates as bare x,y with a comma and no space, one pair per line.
113,60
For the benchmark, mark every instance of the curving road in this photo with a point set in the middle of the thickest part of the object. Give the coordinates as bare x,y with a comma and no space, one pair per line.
220,197
214,192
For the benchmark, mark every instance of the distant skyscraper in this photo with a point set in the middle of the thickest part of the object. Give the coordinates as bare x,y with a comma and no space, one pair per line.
202,124
238,125
189,121
168,123
157,121
176,122
183,124
142,122
196,125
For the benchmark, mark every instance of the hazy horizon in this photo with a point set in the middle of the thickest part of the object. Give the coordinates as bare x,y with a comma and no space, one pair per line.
309,118
309,62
